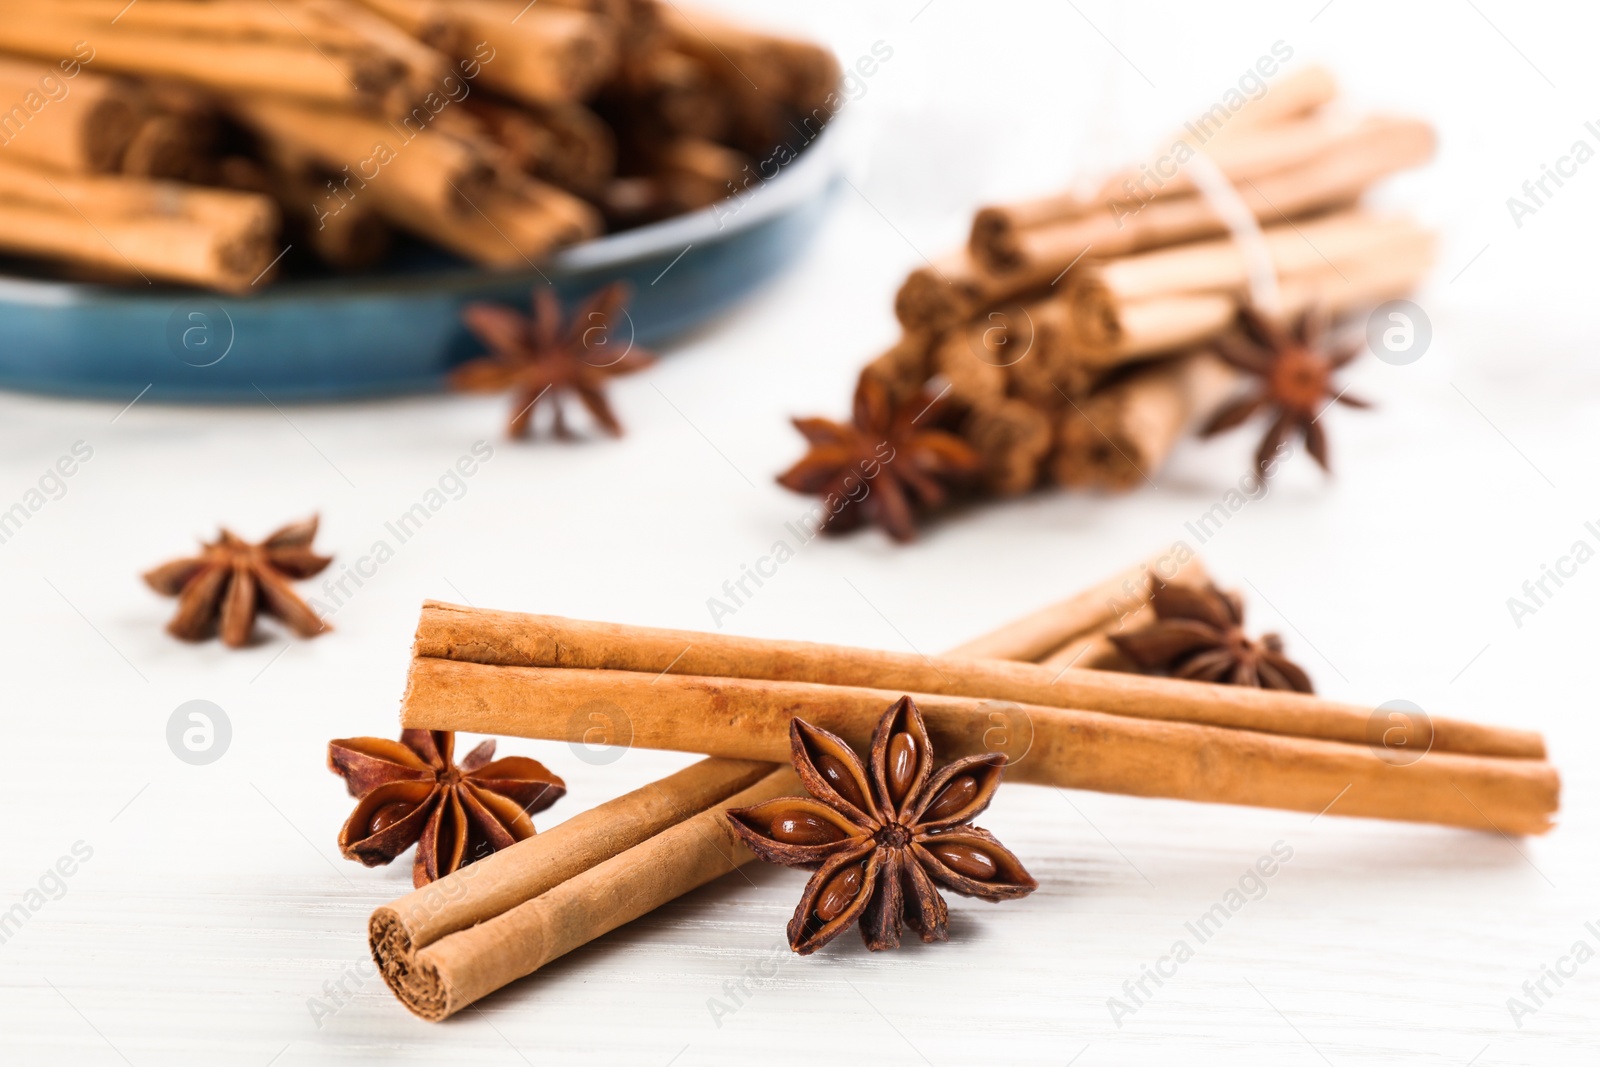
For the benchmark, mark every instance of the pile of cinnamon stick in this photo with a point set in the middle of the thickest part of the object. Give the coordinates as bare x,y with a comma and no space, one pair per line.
447,944
194,140
1071,329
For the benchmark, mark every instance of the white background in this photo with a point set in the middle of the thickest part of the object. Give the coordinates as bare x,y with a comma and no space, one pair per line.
215,906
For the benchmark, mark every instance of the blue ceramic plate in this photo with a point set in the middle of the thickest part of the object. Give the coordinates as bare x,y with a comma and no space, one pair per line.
394,332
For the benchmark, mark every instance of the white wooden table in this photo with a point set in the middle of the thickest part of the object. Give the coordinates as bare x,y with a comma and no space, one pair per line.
213,921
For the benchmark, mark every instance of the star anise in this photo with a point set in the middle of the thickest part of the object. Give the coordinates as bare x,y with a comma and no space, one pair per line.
223,588
879,841
1295,368
411,793
540,359
890,462
1199,635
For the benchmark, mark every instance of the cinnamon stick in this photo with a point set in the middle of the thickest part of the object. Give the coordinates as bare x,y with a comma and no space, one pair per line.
446,975
1130,226
80,124
1121,436
499,882
407,168
542,54
956,287
1140,328
1033,637
1258,140
139,229
360,76
496,639
1240,763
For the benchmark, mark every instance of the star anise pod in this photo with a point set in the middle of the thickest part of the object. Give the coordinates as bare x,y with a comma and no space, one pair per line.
886,465
543,358
1199,634
1295,368
410,792
880,840
223,588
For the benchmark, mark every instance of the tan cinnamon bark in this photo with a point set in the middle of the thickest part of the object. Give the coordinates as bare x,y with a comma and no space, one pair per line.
1100,607
1095,652
956,287
1220,266
1132,225
139,229
565,145
1266,135
1253,152
404,167
1107,332
166,146
80,124
1119,438
541,54
361,76
902,369
1239,763
497,883
480,636
452,972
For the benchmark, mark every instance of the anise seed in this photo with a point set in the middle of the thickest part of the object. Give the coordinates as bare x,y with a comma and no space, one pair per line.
841,889
838,775
964,859
902,765
957,794
803,828
387,816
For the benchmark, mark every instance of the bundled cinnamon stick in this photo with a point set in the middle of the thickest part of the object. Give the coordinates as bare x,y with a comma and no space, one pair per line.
1070,334
1124,433
1264,136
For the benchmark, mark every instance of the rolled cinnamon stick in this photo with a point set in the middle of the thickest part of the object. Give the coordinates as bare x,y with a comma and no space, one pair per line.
1117,753
139,229
406,166
543,54
1259,139
1253,152
1220,267
1094,651
1133,225
1121,436
1033,637
1107,332
359,77
80,124
500,638
565,145
499,882
956,287
446,975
